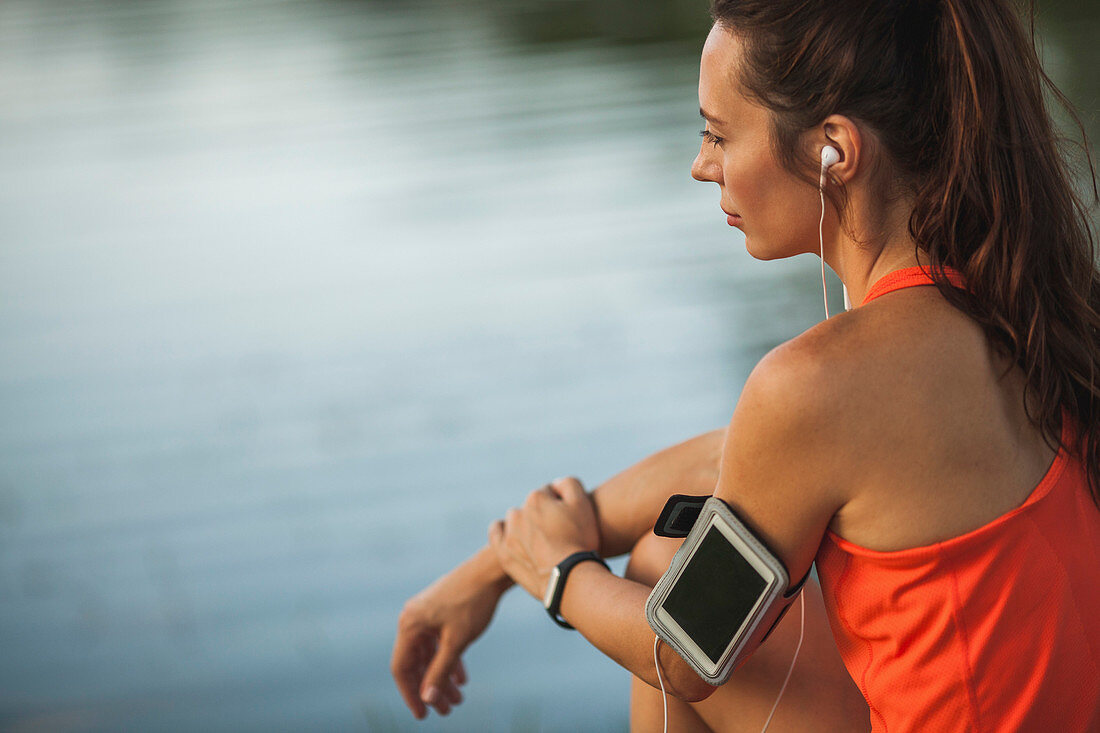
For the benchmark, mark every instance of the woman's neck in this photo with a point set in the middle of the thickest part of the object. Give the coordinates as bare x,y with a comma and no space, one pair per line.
873,245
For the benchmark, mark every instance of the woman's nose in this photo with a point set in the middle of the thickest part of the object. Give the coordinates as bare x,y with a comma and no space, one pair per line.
704,170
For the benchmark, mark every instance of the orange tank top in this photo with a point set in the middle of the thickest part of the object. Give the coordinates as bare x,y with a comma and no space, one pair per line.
995,630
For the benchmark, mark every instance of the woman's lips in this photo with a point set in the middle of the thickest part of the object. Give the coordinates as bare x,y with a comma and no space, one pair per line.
733,220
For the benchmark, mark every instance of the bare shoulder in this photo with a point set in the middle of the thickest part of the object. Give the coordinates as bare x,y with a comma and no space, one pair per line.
867,420
916,352
796,401
781,466
908,417
865,384
827,375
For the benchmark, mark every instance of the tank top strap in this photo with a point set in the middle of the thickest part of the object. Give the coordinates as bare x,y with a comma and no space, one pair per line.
909,277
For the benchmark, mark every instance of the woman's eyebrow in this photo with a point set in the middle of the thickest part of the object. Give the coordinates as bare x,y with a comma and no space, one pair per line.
708,116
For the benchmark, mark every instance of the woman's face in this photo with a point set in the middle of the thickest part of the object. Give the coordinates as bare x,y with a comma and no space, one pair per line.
777,212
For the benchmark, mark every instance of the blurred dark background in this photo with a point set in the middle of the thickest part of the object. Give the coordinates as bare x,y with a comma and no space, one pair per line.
296,297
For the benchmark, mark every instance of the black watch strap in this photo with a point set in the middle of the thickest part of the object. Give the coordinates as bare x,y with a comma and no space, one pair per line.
557,583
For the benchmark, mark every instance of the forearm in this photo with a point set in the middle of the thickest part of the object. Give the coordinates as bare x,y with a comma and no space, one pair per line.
627,504
610,612
483,570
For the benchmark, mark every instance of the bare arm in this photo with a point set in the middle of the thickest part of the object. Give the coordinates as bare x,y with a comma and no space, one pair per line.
628,503
437,624
778,469
609,611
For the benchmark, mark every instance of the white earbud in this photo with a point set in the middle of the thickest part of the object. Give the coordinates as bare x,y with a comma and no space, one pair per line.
829,156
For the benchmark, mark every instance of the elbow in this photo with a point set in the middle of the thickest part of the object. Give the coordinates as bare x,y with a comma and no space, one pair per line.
690,687
698,694
682,681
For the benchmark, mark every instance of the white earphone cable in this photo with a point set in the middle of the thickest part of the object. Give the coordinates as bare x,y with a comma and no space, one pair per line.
786,680
657,664
821,237
790,669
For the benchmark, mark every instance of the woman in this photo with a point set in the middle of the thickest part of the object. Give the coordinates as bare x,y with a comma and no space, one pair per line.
934,449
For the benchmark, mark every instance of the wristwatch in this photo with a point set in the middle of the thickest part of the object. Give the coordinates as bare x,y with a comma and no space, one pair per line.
554,590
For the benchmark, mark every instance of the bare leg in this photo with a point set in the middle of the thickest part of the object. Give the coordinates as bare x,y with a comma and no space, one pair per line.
820,696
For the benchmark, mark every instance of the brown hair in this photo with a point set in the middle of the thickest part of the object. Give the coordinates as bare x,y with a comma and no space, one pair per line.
953,92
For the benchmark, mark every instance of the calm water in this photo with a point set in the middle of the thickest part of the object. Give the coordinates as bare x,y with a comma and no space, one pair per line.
295,298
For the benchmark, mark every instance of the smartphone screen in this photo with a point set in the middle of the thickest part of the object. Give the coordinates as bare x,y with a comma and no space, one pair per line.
715,593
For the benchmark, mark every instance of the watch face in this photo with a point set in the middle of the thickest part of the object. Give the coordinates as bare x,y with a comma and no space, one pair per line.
555,575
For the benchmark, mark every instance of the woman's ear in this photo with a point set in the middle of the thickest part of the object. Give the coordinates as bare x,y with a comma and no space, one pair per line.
844,135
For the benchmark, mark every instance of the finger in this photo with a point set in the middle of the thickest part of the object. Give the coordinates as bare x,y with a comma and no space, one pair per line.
570,490
446,696
452,693
408,684
459,673
515,532
427,651
496,533
407,672
543,492
511,520
437,678
439,701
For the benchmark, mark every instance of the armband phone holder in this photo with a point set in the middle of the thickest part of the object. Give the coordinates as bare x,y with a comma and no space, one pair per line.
679,515
724,591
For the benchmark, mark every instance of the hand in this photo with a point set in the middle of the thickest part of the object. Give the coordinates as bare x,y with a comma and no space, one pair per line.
555,521
435,627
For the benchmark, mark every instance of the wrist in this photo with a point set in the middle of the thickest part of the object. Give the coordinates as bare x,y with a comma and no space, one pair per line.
487,572
580,580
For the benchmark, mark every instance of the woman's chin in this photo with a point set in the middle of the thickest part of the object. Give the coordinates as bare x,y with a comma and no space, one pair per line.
763,252
767,250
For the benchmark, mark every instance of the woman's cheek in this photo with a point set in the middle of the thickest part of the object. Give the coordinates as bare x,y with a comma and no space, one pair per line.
738,170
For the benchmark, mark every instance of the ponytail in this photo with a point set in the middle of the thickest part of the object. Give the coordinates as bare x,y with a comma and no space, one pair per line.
998,205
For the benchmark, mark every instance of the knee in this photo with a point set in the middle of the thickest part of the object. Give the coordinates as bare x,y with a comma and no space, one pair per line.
651,557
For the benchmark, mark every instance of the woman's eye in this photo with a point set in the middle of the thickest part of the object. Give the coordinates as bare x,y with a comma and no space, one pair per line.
710,137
